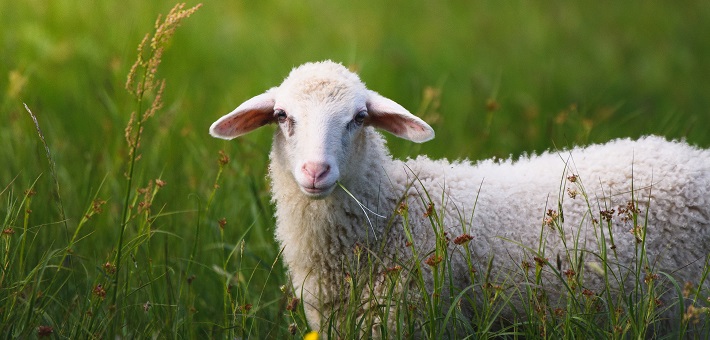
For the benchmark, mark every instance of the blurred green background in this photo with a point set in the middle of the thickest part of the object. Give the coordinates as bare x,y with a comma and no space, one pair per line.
494,78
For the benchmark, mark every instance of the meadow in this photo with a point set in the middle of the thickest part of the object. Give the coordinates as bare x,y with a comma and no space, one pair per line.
173,236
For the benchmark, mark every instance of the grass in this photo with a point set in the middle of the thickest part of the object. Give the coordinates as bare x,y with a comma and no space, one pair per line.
178,241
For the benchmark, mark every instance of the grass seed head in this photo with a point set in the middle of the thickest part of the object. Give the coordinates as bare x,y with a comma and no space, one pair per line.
688,289
492,105
402,208
429,209
607,215
99,291
223,158
109,268
292,305
693,314
650,277
463,239
638,233
44,331
394,269
434,260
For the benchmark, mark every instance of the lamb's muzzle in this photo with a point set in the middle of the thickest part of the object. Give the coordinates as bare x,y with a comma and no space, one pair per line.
318,180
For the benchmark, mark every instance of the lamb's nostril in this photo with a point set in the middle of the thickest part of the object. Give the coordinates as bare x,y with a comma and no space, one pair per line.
316,170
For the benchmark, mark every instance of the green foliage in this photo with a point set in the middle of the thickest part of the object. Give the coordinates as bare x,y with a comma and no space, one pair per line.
195,230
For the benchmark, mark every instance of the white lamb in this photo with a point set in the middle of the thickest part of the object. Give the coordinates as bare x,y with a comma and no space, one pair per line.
326,120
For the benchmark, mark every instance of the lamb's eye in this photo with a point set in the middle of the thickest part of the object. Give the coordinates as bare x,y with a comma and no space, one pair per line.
280,115
360,117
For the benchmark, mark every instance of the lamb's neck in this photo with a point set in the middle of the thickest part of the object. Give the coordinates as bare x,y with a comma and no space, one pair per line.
335,224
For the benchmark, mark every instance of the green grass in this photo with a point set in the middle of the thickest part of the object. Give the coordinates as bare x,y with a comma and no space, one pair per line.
493,78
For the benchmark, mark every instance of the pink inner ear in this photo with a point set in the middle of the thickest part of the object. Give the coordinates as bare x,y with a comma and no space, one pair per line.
402,126
236,124
254,113
389,123
250,120
415,126
390,116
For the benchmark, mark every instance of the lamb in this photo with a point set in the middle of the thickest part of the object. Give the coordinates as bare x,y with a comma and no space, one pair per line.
336,188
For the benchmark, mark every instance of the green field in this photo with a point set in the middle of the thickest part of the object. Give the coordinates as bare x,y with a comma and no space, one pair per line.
494,79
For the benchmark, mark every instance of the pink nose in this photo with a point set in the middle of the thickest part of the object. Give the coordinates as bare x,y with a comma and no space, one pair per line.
315,171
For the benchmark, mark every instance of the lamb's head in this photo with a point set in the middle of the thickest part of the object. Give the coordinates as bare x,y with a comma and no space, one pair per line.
323,112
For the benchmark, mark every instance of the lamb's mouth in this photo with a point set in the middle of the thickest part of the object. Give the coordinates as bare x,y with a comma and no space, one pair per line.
318,193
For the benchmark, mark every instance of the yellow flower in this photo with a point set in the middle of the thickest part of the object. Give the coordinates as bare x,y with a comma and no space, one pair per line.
313,335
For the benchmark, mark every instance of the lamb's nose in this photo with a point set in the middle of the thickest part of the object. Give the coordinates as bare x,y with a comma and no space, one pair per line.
315,171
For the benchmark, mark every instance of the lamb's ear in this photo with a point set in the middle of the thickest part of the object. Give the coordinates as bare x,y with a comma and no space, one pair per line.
253,113
385,114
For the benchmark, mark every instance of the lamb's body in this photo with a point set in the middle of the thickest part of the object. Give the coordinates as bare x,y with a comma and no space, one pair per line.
319,224
511,200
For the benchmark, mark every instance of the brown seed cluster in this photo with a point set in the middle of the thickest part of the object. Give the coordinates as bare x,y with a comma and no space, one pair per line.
688,289
402,208
434,260
292,328
463,239
393,270
99,291
96,208
223,158
693,314
628,212
551,217
637,231
429,209
357,249
492,105
44,331
540,261
650,277
109,268
292,305
607,215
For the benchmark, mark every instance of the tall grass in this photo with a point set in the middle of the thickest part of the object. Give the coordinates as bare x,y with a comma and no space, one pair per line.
157,234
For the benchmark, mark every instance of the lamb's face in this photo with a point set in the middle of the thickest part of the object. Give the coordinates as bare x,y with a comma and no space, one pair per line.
320,124
321,110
